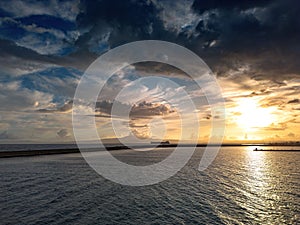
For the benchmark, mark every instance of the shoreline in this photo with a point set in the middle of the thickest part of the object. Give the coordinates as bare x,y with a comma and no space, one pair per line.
26,153
276,150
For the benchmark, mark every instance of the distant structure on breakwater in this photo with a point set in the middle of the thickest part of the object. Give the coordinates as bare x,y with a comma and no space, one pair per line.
160,142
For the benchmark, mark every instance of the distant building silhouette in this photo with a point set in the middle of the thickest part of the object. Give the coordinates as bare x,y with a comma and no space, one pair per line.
160,142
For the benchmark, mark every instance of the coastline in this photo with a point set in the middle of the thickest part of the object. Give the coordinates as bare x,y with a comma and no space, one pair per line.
276,150
26,153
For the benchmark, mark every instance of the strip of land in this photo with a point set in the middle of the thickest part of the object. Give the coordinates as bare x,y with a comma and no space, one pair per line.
276,150
23,153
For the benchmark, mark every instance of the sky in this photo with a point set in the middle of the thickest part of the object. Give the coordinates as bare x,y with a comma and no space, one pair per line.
252,47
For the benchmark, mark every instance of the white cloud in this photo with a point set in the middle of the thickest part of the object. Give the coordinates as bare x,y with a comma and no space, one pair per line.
178,16
14,66
15,98
43,40
42,45
64,9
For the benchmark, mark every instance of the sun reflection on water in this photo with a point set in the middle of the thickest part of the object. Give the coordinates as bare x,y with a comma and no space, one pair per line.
261,184
257,168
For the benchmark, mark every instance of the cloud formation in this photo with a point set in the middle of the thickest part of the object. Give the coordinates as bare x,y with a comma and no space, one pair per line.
223,34
67,107
252,46
140,110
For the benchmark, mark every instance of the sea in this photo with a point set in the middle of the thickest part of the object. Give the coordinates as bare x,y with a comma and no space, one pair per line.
241,186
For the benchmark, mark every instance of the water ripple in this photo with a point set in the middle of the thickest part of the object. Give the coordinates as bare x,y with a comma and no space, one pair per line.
240,187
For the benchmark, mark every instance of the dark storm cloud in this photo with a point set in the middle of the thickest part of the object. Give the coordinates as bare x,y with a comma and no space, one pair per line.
229,35
35,35
10,49
261,34
140,110
148,109
46,27
154,68
14,57
22,8
125,21
204,5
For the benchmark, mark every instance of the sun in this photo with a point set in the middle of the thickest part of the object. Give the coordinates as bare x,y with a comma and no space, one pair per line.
251,116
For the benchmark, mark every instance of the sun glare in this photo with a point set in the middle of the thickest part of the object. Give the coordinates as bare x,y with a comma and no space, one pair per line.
252,116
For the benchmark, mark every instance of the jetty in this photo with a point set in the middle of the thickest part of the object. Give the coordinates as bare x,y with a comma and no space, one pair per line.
276,150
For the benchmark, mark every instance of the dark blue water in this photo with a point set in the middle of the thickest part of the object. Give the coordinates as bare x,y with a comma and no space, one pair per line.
26,147
240,187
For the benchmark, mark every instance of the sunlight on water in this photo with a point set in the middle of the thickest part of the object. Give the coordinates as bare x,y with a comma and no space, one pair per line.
240,187
257,168
263,183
